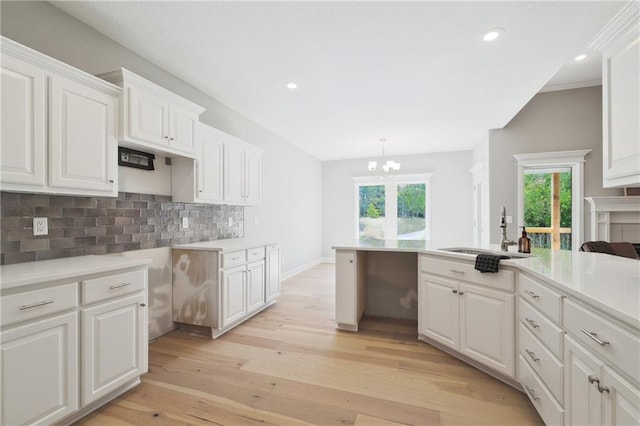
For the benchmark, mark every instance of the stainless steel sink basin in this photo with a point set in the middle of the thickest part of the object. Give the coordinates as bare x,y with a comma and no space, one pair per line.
475,252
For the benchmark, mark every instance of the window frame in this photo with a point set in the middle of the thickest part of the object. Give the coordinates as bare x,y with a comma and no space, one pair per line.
392,181
559,159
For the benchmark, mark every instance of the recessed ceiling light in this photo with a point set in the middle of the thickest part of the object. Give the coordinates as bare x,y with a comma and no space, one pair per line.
580,57
493,34
292,86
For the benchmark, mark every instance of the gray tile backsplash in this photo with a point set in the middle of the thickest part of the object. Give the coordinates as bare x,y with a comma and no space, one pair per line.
101,225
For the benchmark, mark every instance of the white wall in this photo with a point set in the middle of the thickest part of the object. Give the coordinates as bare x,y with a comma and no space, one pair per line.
552,121
450,196
291,205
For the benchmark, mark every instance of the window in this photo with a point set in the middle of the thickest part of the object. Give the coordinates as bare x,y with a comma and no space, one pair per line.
395,208
547,207
550,198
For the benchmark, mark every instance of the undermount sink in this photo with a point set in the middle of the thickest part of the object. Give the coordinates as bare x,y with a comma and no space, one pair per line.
475,252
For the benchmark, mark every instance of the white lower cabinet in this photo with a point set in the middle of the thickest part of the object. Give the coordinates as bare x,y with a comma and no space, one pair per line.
234,286
350,289
39,371
218,289
474,320
115,324
595,394
255,285
272,285
69,345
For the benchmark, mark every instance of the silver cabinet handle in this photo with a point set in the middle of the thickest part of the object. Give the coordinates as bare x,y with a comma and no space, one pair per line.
461,293
113,287
454,291
532,355
532,323
166,137
593,380
603,389
532,393
35,305
455,271
110,180
143,304
532,294
594,337
170,139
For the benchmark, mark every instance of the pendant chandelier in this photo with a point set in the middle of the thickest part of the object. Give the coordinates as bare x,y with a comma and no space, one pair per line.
388,167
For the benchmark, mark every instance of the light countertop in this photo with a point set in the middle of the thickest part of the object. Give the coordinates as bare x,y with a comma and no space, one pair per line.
21,274
609,283
225,245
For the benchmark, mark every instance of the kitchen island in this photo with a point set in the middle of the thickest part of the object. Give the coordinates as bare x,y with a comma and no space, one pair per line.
563,326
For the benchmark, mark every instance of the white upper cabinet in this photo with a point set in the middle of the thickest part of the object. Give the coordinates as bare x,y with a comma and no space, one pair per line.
242,173
79,114
620,46
58,126
23,123
155,119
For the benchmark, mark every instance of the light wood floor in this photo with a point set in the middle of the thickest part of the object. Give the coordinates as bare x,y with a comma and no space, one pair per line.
288,365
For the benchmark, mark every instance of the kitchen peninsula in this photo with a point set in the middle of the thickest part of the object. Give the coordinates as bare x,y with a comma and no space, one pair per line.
561,325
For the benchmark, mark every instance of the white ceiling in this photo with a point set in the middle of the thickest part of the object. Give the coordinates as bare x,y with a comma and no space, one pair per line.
416,73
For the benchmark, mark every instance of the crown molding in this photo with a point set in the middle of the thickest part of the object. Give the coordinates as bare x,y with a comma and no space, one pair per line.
53,66
626,19
569,86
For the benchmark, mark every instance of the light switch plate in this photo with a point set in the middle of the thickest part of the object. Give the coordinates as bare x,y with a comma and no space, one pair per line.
185,222
40,226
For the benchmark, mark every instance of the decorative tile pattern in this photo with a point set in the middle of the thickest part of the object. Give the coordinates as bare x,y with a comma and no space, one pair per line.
97,225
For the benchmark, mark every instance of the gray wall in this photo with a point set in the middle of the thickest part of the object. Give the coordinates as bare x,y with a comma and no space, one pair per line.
552,121
450,196
291,205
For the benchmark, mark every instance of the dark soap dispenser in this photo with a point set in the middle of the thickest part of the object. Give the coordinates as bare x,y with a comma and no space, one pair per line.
524,242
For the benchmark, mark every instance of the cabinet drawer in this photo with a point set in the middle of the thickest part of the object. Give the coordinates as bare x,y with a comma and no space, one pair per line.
465,271
543,362
619,347
115,285
38,303
541,297
542,327
234,258
548,408
255,254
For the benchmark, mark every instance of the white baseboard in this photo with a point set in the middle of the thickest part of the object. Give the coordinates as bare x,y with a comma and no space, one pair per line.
295,271
327,260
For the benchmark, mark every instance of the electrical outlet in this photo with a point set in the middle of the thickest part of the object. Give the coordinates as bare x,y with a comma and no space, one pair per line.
40,226
185,222
230,221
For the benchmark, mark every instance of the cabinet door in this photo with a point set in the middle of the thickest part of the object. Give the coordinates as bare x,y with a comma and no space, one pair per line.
583,402
114,345
23,138
148,117
439,310
273,272
252,186
233,173
621,402
621,108
82,139
255,285
234,304
183,132
487,327
346,309
39,371
210,166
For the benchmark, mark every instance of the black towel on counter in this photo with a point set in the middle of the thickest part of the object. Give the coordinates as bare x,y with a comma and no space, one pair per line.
488,262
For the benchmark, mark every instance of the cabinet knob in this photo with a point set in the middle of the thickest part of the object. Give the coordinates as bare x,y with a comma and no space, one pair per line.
110,180
166,137
143,304
603,389
170,139
351,261
454,291
461,293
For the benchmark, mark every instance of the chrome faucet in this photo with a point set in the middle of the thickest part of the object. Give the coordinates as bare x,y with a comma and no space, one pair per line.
504,241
